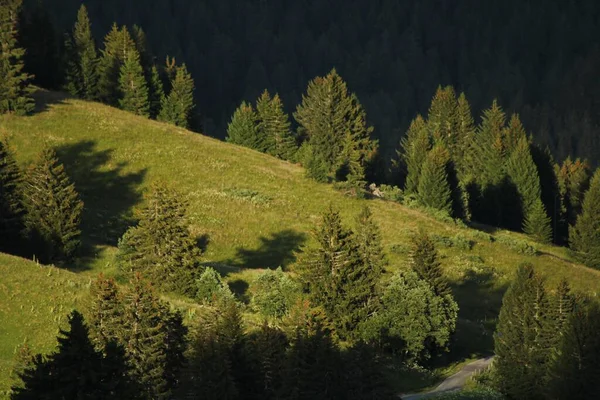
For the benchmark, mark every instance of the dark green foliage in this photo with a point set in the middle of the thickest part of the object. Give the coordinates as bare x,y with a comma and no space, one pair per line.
177,106
524,175
550,188
424,261
414,148
413,321
75,371
434,189
442,119
170,260
561,308
243,129
537,224
463,151
584,237
334,123
105,314
314,163
489,149
274,293
11,203
133,87
522,345
53,209
82,64
15,91
364,377
576,372
211,289
156,92
573,181
274,130
117,45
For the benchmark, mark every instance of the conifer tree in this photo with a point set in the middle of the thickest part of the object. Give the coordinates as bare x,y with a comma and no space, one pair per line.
243,128
53,209
117,45
514,135
11,203
156,92
574,180
333,122
414,148
274,127
584,237
463,152
424,261
523,173
521,352
489,150
537,224
15,90
442,118
106,312
139,38
170,260
82,74
177,106
434,189
133,86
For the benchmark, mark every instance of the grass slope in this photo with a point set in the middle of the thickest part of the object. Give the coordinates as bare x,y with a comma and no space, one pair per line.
250,211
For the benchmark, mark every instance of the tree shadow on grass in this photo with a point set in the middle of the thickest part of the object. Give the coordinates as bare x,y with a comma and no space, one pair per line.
276,250
45,98
108,193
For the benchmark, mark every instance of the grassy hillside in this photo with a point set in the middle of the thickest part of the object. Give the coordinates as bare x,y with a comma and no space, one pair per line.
250,211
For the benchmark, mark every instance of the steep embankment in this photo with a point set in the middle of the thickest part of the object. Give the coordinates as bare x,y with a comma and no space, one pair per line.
249,210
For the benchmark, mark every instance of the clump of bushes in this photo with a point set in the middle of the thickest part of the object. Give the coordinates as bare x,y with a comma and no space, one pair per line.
274,293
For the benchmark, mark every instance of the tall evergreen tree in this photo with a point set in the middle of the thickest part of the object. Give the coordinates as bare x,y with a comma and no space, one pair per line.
11,203
170,260
414,148
117,45
156,92
53,209
243,129
434,189
105,314
424,261
463,152
179,103
537,224
274,127
442,118
584,237
521,351
82,74
133,86
523,173
15,90
333,122
573,181
263,114
489,150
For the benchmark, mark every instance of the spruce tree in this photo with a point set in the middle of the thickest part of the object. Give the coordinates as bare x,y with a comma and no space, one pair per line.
263,114
156,92
169,260
105,314
133,86
489,150
442,118
537,224
463,152
243,128
11,203
15,90
522,353
53,209
523,173
139,38
117,45
414,148
424,261
434,189
514,135
274,127
82,74
584,237
334,123
177,106
574,180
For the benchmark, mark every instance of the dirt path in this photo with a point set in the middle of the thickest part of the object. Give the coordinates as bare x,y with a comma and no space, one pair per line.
454,382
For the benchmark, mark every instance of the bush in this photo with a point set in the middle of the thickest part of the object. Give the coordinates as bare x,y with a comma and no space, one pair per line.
393,193
482,236
274,293
352,188
211,288
518,245
459,241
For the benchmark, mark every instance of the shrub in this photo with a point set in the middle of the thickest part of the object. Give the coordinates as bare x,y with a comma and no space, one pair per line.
274,293
518,245
211,288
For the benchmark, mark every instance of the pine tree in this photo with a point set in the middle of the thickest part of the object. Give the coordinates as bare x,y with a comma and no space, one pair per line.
414,148
274,127
15,90
333,121
178,105
489,150
442,118
243,129
106,312
537,224
424,261
434,189
11,203
53,209
584,237
521,353
463,152
170,260
82,74
523,173
117,45
514,135
144,337
133,86
156,92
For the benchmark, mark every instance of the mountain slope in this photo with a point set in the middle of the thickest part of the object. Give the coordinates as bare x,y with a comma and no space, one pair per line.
249,210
